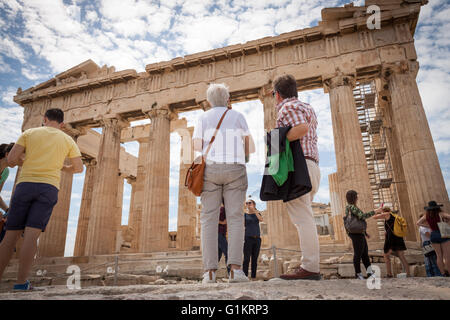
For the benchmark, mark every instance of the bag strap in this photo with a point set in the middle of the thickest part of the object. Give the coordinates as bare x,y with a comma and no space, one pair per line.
214,135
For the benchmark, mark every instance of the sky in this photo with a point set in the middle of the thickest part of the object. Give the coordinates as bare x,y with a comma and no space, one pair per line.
41,38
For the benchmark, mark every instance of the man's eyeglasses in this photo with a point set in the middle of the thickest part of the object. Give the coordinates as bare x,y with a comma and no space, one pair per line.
249,202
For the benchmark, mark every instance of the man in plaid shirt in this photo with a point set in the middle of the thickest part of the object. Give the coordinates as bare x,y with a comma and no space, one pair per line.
302,118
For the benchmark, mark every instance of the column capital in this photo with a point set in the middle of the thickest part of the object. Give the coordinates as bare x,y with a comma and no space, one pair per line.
91,162
112,121
400,67
338,80
131,180
156,111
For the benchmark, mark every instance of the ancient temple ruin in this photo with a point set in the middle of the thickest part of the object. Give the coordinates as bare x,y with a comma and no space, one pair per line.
383,144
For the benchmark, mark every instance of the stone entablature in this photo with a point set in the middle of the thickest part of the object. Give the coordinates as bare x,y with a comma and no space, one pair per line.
344,45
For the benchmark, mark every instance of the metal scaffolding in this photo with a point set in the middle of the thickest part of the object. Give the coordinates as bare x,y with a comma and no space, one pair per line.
379,165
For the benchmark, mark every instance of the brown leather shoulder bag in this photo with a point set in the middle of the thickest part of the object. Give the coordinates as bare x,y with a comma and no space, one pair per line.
194,176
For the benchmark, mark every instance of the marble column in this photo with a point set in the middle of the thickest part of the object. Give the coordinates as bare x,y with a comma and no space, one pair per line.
398,174
423,175
155,214
350,156
282,233
102,229
187,202
118,217
135,219
52,242
85,209
337,201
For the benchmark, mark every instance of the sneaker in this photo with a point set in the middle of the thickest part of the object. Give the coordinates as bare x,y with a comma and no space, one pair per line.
23,287
209,277
237,275
360,276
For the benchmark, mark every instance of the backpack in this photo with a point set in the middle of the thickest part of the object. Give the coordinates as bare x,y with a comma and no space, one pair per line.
400,226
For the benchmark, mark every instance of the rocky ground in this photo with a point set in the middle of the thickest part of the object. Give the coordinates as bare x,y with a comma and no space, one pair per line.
275,289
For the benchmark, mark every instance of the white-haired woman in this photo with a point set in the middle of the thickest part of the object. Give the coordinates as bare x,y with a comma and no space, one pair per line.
225,177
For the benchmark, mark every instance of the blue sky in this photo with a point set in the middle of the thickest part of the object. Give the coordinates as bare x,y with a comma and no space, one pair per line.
39,39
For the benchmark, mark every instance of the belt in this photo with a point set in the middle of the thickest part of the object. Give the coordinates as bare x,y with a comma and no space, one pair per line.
312,159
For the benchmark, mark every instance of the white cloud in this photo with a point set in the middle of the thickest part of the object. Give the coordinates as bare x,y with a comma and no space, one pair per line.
10,118
11,49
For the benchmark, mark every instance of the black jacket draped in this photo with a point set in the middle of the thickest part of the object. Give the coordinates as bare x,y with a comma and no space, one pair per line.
298,182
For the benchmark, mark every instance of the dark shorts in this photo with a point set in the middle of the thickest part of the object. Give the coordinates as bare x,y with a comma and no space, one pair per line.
31,206
435,237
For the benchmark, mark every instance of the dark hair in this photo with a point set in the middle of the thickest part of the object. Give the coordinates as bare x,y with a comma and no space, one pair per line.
433,213
5,148
55,115
351,196
286,86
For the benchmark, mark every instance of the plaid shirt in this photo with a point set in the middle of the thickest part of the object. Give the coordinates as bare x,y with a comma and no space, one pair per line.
292,112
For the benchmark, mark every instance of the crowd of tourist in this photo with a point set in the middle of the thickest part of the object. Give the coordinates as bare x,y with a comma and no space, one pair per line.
229,222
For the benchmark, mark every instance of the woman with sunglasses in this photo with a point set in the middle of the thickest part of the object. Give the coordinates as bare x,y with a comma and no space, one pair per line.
252,242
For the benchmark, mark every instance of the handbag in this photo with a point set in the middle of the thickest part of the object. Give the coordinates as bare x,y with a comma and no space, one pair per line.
444,228
194,175
353,224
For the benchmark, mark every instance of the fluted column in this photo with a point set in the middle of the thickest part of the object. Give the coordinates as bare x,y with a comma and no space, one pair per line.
350,156
118,217
135,219
281,231
187,202
399,183
423,175
155,215
85,209
101,229
337,201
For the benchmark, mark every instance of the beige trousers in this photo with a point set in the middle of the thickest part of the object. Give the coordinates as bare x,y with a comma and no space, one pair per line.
302,216
227,181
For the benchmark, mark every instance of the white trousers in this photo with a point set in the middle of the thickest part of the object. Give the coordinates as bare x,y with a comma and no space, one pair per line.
302,216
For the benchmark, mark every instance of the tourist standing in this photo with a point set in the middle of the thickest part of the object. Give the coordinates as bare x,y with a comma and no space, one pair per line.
429,254
392,243
441,246
302,119
225,178
360,247
41,153
223,243
252,242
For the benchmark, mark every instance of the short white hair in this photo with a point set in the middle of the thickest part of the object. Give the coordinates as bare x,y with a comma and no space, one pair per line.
217,94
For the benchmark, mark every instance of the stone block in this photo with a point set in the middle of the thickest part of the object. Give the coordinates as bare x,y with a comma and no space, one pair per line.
418,270
346,270
346,258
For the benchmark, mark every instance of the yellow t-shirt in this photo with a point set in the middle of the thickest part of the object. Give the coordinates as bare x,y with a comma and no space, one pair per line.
46,148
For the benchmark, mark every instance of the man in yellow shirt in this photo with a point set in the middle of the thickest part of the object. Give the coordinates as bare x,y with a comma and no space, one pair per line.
41,153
